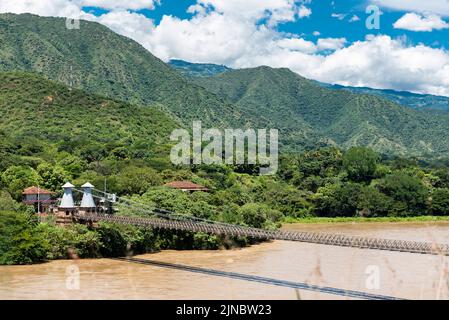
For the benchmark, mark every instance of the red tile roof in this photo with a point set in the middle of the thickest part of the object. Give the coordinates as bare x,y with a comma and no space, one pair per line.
186,185
35,190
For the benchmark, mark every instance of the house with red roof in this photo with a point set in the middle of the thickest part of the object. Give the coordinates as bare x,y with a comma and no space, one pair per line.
186,186
40,198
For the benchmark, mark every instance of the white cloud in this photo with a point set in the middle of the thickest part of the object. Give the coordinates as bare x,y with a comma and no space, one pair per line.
297,44
316,33
382,62
60,8
378,62
417,22
339,16
304,12
275,10
331,43
64,8
132,25
354,18
440,7
120,4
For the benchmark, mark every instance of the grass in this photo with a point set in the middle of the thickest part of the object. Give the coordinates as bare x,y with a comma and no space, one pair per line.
289,220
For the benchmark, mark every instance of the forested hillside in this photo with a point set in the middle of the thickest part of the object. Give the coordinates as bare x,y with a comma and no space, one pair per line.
336,117
100,61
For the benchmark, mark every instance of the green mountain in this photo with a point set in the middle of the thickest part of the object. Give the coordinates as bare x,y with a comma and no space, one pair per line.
41,118
100,61
405,98
97,60
197,69
338,117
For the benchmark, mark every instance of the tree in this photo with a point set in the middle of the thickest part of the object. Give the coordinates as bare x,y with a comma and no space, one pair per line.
259,215
323,163
7,203
136,180
72,164
440,202
338,200
20,243
407,190
372,203
168,199
17,178
360,164
53,176
288,200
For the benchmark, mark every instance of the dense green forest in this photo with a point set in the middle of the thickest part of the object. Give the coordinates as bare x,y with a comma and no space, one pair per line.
321,183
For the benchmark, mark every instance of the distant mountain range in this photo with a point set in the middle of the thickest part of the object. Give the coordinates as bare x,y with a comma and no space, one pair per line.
197,69
405,98
308,115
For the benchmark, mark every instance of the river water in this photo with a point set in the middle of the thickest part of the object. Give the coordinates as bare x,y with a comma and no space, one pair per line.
404,275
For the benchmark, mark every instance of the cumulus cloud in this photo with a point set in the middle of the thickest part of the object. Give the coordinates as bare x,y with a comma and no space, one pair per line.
60,8
297,44
331,43
120,4
303,12
70,8
382,62
440,7
417,22
274,10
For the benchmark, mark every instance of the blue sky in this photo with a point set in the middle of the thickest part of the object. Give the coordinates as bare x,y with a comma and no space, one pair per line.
321,20
325,40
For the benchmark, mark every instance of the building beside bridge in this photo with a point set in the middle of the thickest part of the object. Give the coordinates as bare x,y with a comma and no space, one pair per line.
41,199
65,206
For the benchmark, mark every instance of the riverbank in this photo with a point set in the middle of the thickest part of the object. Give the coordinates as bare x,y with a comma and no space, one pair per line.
409,276
318,220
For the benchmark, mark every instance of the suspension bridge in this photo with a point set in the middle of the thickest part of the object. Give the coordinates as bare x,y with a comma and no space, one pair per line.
143,215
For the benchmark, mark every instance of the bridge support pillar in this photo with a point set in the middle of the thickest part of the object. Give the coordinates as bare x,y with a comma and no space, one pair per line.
66,209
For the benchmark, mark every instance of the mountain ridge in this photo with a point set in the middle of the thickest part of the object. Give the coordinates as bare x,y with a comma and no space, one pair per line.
346,118
405,98
99,61
309,116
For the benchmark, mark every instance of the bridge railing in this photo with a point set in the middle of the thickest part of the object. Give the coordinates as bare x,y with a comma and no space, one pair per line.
240,231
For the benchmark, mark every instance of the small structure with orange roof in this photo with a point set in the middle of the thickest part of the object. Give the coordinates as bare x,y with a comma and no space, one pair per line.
186,186
40,198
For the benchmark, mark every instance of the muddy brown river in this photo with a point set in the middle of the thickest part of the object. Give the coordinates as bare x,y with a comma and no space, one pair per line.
403,275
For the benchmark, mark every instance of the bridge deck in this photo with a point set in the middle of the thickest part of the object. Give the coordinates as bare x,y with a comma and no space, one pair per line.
308,237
